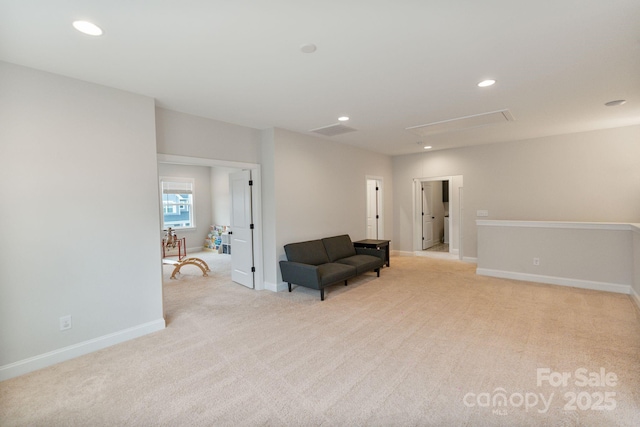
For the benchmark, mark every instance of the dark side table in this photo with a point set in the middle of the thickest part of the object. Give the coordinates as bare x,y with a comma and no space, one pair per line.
381,245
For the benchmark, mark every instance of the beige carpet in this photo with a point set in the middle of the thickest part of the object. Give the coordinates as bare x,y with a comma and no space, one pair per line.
428,343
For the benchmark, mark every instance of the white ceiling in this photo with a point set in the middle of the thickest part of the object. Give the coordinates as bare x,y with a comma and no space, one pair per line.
387,65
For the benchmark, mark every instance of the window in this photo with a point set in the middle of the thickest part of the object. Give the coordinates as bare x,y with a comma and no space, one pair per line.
177,202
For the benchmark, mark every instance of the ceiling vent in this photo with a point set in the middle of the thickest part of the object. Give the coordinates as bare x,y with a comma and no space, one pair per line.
461,123
333,130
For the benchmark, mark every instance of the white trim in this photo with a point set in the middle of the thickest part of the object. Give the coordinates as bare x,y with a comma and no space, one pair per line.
256,202
276,287
268,286
192,205
417,219
635,297
439,255
454,217
31,364
199,161
460,221
556,224
256,196
561,281
442,255
434,178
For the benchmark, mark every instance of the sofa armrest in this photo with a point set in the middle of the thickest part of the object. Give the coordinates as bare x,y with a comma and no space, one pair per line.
371,251
301,274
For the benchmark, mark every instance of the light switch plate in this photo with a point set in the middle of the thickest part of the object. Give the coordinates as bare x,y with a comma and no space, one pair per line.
482,213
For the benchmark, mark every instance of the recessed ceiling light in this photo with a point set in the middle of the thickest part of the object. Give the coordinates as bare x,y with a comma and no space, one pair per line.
428,147
486,83
308,48
615,103
87,27
343,118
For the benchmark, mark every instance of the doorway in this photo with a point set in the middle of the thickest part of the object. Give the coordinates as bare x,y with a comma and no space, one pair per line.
252,254
375,217
437,217
428,215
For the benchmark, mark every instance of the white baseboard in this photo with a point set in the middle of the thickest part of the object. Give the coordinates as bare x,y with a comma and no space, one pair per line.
273,287
276,287
561,281
635,297
66,353
437,255
445,255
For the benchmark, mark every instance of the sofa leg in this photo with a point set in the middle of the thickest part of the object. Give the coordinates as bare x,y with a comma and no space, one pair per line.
378,271
321,294
345,283
288,283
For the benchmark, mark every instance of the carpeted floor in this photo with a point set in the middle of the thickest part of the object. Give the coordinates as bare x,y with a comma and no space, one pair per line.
428,343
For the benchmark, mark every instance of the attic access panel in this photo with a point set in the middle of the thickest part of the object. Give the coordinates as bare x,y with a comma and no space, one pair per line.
333,130
461,123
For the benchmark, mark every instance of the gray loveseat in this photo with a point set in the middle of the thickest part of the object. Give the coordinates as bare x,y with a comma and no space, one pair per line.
320,263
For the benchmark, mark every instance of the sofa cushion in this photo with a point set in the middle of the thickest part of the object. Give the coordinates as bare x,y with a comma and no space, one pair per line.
339,247
331,273
311,252
362,263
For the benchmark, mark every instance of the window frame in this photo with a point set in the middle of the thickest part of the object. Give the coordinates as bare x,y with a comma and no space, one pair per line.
170,185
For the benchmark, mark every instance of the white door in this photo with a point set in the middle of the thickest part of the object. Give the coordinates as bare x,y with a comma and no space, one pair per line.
373,215
427,216
241,238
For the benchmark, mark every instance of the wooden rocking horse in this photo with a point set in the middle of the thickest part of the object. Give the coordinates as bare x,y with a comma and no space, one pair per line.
170,241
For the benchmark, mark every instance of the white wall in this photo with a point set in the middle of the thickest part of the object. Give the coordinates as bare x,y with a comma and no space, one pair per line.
636,264
591,177
202,197
319,190
80,220
585,255
63,139
186,135
221,197
269,233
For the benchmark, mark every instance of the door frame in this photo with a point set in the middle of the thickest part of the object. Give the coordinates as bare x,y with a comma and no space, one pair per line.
455,215
380,183
430,206
256,200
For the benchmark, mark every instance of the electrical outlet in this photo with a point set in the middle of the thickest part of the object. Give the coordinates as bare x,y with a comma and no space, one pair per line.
65,323
482,213
536,261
